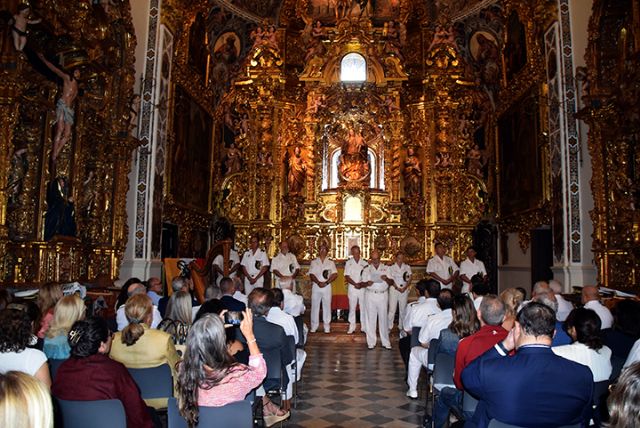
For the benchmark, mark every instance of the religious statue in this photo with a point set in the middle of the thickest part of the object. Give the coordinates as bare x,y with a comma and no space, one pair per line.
233,161
342,8
19,26
353,163
443,36
64,107
475,161
19,167
90,195
60,216
412,172
134,110
297,172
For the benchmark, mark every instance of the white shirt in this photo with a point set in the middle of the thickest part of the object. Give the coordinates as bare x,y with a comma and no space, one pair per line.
598,361
603,312
564,308
253,262
322,270
400,274
435,324
375,274
477,302
286,264
234,259
355,270
241,297
121,318
471,268
443,267
27,361
284,320
634,354
293,303
418,312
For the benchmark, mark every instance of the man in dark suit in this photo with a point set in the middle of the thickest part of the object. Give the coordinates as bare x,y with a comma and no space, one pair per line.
227,287
534,387
271,339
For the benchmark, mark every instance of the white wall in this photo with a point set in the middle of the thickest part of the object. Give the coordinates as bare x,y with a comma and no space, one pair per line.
518,272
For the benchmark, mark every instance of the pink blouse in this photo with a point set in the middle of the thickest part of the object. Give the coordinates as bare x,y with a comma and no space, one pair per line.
45,323
236,385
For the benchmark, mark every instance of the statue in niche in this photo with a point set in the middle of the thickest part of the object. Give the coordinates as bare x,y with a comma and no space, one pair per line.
475,161
19,26
412,173
19,166
233,160
353,163
444,36
65,114
90,195
60,216
297,172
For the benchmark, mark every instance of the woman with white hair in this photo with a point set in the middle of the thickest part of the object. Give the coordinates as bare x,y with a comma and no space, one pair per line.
177,322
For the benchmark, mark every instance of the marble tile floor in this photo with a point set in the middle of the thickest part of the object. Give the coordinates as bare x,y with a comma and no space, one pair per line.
346,385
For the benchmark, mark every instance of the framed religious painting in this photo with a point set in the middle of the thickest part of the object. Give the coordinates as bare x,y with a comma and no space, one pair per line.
515,50
521,177
190,154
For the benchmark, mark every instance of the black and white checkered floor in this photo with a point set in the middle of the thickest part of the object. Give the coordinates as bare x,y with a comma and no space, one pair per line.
346,385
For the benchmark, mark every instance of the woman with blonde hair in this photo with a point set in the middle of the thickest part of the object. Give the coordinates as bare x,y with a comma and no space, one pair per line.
138,346
512,299
24,401
178,319
67,311
48,296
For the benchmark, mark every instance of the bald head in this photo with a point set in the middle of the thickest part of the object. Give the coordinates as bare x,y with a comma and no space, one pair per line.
589,293
556,286
135,288
227,287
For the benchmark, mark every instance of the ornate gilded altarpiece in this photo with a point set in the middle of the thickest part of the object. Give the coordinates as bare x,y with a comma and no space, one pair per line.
66,115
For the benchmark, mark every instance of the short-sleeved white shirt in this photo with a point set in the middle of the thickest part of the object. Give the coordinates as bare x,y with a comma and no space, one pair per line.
253,262
27,361
375,274
286,264
234,259
322,270
419,312
355,270
434,325
440,266
400,274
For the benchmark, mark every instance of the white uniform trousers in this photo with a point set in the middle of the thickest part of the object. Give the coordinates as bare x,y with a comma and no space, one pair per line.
419,357
396,299
248,288
321,296
377,305
356,297
301,357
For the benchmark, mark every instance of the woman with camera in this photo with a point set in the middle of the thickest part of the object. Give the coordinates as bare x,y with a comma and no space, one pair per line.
209,375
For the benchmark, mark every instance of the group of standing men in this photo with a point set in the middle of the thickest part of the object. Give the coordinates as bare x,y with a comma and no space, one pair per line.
378,289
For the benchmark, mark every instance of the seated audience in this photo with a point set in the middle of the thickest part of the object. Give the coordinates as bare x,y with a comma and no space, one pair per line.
89,374
68,310
154,290
479,289
583,325
625,330
524,293
564,306
15,355
624,399
271,339
134,290
234,346
138,346
123,295
178,319
239,294
548,298
534,387
209,376
417,314
179,283
48,296
431,330
228,288
491,315
24,402
293,303
512,299
591,300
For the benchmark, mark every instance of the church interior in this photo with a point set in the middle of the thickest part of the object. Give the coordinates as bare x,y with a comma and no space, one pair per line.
145,138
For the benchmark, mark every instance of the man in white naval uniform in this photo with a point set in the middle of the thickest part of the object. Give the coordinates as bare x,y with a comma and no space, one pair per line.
442,268
322,272
285,266
400,275
353,275
470,267
234,265
255,264
377,301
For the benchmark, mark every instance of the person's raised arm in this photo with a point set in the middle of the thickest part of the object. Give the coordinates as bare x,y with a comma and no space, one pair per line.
53,68
246,327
